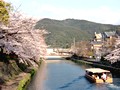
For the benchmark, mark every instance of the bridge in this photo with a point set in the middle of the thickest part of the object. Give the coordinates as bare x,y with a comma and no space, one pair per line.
59,52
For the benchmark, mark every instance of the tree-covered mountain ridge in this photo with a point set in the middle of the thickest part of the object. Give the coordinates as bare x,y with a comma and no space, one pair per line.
63,32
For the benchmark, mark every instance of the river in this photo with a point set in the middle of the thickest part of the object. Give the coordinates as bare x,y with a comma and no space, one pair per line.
66,75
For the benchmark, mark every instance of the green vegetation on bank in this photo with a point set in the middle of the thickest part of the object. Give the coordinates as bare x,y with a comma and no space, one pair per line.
26,80
62,32
23,82
13,71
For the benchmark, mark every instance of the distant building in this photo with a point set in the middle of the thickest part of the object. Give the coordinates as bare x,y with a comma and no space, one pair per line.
49,51
106,42
108,37
109,34
118,33
96,45
98,37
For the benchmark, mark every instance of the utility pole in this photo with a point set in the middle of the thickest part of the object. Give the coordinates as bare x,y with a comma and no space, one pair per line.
74,42
74,45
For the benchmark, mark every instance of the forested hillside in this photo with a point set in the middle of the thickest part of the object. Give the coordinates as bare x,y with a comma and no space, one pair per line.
63,32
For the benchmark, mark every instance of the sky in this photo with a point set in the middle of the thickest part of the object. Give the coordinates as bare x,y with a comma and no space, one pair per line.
100,11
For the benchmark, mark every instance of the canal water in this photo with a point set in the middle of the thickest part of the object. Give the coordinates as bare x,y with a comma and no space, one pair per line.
66,75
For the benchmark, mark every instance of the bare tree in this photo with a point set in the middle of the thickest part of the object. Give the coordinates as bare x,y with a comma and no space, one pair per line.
83,48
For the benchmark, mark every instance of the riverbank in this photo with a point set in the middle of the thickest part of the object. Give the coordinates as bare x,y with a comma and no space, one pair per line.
98,65
17,83
20,80
38,78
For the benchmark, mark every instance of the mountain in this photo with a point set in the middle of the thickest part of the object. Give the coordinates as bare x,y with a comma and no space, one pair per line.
63,32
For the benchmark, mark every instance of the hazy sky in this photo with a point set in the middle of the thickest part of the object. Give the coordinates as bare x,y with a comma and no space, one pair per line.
101,11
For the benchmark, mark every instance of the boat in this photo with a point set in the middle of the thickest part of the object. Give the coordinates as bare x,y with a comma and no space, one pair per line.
95,75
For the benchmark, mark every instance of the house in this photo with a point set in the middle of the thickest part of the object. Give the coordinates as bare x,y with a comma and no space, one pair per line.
109,37
109,34
98,37
118,33
97,45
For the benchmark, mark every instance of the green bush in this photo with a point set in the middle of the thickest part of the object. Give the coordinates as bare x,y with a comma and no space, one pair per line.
23,82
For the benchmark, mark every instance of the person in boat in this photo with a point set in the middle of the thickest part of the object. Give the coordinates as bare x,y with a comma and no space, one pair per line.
104,77
97,77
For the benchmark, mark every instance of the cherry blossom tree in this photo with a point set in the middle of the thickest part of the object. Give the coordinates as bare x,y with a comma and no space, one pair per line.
114,55
21,38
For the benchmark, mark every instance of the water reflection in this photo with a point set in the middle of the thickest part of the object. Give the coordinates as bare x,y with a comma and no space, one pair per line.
71,82
38,79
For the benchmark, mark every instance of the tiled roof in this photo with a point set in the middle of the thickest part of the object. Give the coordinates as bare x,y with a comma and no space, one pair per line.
118,32
111,33
96,42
